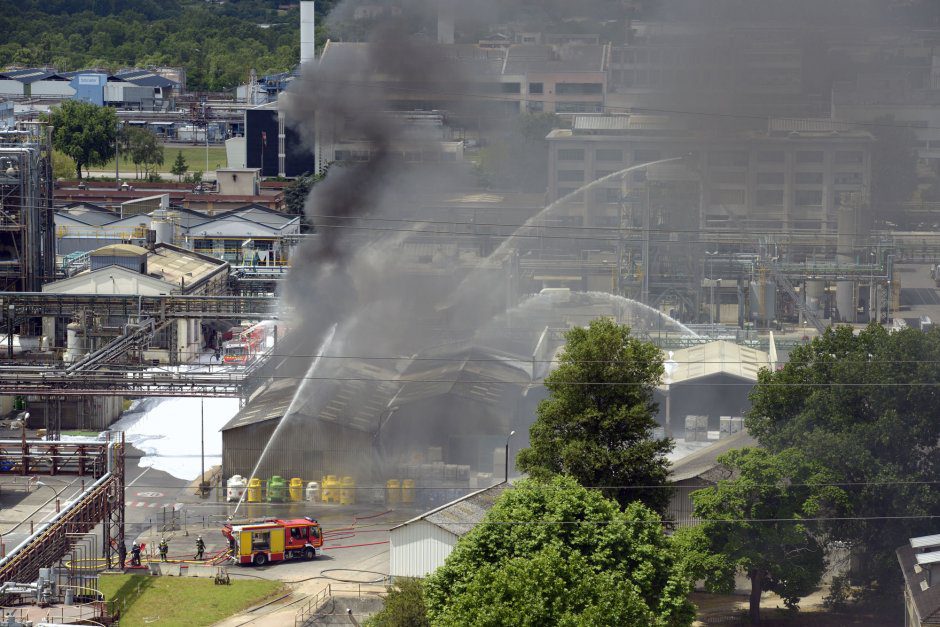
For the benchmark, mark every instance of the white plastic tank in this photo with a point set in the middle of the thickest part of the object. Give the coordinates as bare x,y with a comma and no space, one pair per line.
312,492
162,227
235,488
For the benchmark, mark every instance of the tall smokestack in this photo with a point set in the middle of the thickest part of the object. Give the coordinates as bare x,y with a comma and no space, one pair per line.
308,50
445,21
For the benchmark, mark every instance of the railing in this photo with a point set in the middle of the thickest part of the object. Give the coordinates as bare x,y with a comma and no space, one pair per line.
309,610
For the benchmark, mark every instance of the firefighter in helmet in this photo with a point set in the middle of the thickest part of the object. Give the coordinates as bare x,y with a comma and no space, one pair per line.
135,554
200,548
164,548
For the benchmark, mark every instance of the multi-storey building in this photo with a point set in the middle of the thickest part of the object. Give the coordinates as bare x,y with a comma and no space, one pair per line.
728,195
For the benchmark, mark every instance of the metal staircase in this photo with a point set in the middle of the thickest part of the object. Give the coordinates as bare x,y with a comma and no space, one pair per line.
781,280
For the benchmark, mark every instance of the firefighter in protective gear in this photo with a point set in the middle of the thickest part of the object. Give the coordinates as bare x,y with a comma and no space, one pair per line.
200,548
135,554
164,547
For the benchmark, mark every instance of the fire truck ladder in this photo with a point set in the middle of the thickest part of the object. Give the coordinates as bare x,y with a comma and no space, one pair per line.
781,279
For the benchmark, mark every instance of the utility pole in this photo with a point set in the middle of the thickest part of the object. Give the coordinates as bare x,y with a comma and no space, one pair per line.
511,433
202,446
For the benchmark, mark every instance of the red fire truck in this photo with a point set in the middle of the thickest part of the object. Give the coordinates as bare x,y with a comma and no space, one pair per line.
249,343
273,540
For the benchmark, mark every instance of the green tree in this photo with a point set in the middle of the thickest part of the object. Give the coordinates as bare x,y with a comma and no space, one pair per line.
597,424
84,132
145,149
404,606
295,197
864,407
179,167
752,521
556,553
63,165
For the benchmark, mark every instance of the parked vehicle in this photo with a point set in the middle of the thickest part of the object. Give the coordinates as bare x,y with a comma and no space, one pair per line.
273,540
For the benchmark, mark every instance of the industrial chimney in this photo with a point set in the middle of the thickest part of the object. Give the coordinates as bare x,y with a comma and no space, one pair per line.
446,11
308,50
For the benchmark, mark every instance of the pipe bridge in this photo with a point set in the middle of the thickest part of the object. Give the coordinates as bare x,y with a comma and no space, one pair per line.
164,306
102,503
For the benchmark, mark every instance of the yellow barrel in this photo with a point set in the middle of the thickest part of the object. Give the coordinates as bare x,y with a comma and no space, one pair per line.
254,491
408,492
330,489
347,492
392,492
296,489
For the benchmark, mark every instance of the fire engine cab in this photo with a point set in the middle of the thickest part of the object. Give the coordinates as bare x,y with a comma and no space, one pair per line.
273,540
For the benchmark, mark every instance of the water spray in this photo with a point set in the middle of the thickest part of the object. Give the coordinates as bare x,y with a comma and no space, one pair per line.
308,376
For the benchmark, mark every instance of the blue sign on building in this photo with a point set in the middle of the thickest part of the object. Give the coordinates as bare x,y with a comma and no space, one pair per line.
89,87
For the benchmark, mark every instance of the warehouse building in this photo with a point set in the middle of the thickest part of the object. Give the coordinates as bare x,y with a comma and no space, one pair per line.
437,419
129,269
706,382
421,545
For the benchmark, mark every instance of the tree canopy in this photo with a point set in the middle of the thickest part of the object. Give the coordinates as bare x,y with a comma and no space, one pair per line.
144,148
556,553
752,520
84,132
404,605
866,407
597,424
217,44
180,167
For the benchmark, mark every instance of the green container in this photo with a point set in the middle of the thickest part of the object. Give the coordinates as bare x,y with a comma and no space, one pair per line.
277,489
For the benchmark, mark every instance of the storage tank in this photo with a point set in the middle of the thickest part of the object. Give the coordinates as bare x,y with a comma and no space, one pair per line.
74,342
845,300
235,488
764,300
815,292
162,227
277,489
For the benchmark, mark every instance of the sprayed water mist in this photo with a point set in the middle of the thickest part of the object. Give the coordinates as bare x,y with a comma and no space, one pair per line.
291,408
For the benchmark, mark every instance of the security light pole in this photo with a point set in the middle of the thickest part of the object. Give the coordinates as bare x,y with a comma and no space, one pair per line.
511,433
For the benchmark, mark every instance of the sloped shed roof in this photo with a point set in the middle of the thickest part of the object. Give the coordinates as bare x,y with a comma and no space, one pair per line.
719,357
460,516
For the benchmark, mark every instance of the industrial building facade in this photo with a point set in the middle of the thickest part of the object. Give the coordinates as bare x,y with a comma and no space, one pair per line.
728,203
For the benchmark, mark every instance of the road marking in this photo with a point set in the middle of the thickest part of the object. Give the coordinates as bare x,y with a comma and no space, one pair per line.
150,495
138,477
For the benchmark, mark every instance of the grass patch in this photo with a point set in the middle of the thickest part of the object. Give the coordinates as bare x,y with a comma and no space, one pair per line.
182,601
195,158
80,433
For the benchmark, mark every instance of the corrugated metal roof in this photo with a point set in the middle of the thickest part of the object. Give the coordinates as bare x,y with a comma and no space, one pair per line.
31,75
706,459
145,78
924,542
120,250
601,123
719,357
926,597
461,515
807,125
